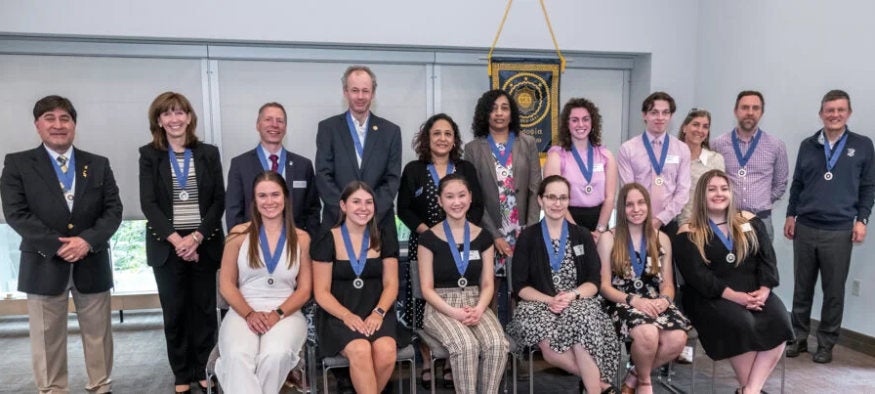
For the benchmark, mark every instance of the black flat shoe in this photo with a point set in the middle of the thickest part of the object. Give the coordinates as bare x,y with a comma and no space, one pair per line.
797,347
448,378
426,384
822,356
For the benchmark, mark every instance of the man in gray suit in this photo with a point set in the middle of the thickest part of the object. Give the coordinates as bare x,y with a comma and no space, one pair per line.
64,244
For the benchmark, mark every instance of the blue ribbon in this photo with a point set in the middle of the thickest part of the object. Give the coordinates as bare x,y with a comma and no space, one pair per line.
726,239
657,167
181,174
281,166
637,258
355,135
557,256
271,259
585,168
66,179
434,175
508,148
832,156
357,262
742,159
461,262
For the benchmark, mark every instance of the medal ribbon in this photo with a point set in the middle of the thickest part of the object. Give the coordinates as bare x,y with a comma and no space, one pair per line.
355,135
434,175
657,167
555,257
271,259
742,159
66,179
832,156
726,239
281,168
181,174
637,258
585,168
357,262
461,261
503,159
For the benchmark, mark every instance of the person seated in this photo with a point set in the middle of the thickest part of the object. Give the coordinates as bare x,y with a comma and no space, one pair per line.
730,269
638,285
556,277
355,278
266,279
456,280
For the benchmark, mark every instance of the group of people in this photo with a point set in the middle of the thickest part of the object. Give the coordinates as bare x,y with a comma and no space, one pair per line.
567,283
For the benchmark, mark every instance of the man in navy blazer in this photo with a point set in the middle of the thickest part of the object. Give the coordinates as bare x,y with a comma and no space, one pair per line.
65,235
358,145
297,171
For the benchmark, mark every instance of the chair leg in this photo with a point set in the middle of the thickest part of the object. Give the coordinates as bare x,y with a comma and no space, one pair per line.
431,370
324,379
531,372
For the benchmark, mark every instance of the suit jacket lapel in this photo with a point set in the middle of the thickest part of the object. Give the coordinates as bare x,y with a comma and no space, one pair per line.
348,144
42,163
487,158
370,140
82,163
164,172
289,170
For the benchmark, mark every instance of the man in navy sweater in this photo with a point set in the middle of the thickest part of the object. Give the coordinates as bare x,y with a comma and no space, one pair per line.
830,201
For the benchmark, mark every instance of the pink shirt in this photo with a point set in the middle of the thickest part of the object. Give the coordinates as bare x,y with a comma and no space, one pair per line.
633,165
569,170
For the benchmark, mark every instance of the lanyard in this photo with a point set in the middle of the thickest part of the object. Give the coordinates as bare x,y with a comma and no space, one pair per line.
585,168
555,257
726,239
461,261
742,159
181,174
637,258
355,135
832,155
357,262
434,175
657,167
281,167
503,159
271,259
65,178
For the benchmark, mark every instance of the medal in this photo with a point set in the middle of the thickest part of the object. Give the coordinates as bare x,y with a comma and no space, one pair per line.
503,158
638,284
657,165
828,175
461,261
69,196
832,155
585,168
742,172
556,279
357,262
730,258
180,174
659,181
636,258
588,189
270,281
725,239
271,259
743,159
183,195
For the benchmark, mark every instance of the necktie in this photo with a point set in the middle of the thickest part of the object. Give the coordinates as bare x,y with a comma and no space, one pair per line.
62,160
274,163
657,147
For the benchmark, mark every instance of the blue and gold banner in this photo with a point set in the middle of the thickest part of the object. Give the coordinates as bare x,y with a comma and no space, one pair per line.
534,85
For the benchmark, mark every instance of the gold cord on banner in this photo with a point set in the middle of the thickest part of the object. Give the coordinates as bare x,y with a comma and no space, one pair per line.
501,26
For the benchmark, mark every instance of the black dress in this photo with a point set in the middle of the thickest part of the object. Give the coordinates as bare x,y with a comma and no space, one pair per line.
727,329
333,334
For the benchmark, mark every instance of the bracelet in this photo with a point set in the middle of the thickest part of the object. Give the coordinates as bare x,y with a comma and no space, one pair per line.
629,299
667,298
247,315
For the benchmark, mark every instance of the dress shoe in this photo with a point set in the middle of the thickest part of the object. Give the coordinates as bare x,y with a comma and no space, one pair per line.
798,346
823,355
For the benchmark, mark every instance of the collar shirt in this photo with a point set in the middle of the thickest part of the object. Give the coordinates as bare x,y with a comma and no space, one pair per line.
766,172
708,160
281,167
69,155
633,164
362,131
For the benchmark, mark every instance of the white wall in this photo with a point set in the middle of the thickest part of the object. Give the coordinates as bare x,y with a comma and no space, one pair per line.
793,52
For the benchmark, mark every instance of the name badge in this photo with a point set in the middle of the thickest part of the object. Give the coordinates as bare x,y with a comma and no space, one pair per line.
418,192
299,184
598,167
672,159
578,250
746,227
474,255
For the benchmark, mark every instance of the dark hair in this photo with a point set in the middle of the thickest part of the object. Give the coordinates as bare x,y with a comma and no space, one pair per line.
542,188
351,188
745,93
831,95
450,178
696,113
647,105
595,134
256,223
165,102
422,141
273,104
620,259
355,68
51,103
480,125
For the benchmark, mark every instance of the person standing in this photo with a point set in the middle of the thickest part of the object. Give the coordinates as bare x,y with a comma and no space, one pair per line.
65,235
830,202
756,161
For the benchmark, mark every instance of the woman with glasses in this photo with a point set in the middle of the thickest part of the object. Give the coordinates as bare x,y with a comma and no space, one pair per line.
556,277
695,133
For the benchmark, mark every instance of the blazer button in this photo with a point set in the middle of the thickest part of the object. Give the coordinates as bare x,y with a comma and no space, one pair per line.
69,226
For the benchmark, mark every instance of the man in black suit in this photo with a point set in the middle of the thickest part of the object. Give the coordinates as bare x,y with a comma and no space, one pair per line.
271,155
64,244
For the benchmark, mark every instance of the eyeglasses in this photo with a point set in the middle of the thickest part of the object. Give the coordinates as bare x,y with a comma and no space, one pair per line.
553,198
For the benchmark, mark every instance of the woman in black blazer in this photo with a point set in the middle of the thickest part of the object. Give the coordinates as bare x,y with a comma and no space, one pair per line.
182,195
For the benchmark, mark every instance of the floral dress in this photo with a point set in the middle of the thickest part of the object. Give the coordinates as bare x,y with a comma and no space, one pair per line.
510,217
582,322
412,309
647,285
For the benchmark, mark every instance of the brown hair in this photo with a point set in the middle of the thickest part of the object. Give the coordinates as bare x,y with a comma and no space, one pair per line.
696,113
351,188
595,134
422,140
253,231
168,101
745,93
647,105
831,95
51,103
745,244
621,262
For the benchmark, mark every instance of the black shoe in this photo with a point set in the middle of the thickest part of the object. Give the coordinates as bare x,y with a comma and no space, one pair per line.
344,385
426,384
798,346
823,355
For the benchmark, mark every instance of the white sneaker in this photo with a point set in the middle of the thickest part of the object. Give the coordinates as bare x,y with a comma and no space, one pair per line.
686,356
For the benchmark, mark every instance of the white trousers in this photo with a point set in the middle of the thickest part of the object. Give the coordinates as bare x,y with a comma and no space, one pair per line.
252,363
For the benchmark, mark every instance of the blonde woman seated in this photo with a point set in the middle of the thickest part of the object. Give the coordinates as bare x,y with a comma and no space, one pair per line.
455,272
637,282
730,269
556,277
265,278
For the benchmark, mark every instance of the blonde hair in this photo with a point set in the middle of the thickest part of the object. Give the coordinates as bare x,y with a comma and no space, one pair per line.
620,260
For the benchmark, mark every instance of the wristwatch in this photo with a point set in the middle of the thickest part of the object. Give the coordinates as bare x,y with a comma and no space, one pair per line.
601,228
279,311
576,294
380,311
865,221
629,299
